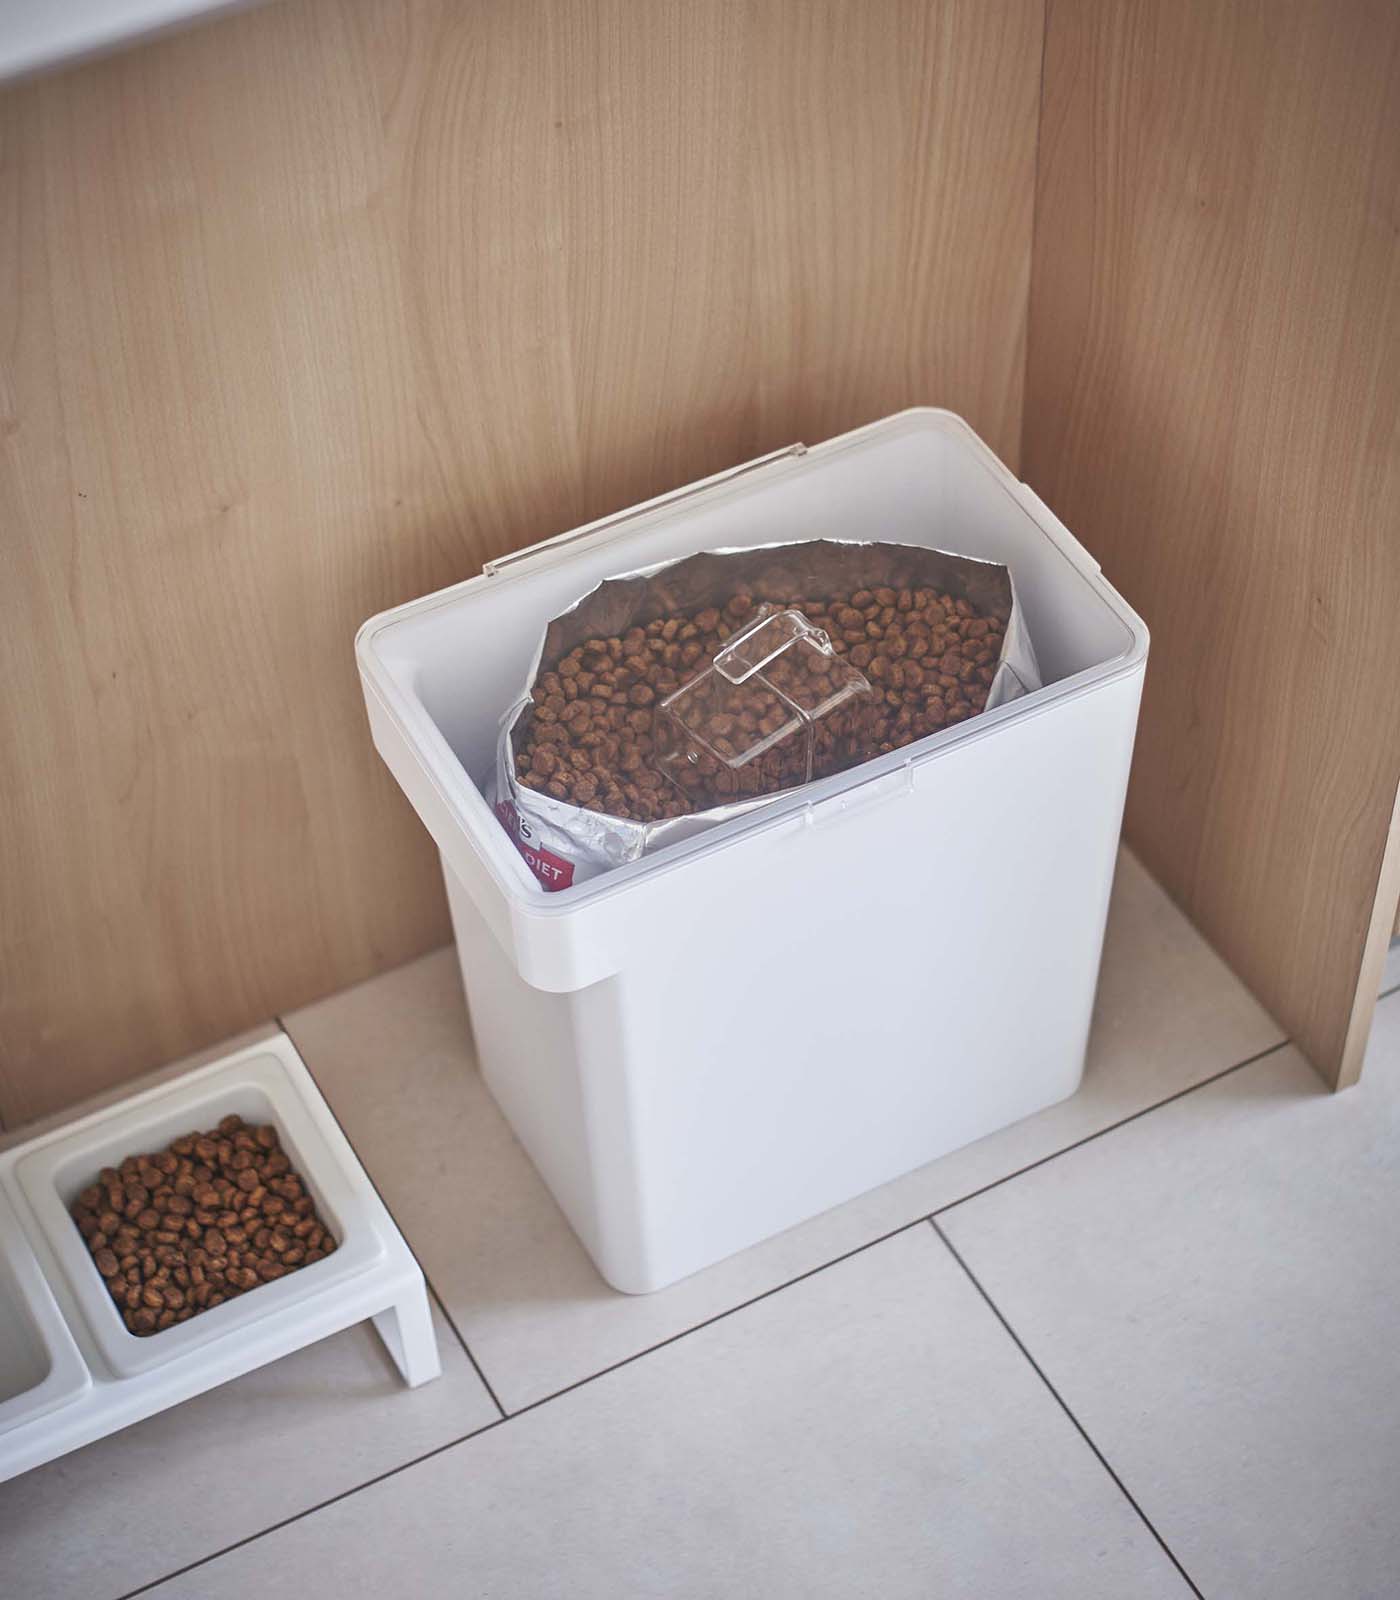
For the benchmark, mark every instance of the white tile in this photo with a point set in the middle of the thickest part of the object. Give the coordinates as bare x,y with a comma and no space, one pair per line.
394,1059
1215,1291
869,1431
180,1486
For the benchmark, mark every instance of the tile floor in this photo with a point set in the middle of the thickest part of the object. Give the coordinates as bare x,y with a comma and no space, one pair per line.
1141,1344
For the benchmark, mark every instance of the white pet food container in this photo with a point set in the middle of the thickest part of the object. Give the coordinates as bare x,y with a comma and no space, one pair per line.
720,1040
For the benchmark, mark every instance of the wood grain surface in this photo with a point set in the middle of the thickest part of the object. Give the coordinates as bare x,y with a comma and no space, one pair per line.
1213,405
310,310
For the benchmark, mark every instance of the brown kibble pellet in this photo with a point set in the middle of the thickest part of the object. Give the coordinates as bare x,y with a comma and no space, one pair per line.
176,1236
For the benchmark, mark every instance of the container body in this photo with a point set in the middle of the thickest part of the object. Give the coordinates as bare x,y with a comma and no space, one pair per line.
716,1043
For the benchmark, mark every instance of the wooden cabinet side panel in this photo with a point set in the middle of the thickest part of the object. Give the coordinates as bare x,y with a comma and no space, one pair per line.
1213,405
313,308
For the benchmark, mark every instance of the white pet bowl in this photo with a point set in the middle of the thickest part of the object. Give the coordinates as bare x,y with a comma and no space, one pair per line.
40,1367
261,1090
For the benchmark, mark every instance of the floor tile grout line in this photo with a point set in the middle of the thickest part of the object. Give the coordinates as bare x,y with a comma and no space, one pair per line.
719,1316
1060,1401
441,1303
787,1283
310,1511
1112,1127
510,1416
883,1238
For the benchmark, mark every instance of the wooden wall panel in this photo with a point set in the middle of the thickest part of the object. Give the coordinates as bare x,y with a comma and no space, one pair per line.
1213,405
311,309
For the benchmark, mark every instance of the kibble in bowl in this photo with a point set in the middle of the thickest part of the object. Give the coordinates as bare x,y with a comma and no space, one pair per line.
208,1218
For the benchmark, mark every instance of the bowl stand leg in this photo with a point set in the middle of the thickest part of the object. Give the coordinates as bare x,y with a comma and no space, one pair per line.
406,1328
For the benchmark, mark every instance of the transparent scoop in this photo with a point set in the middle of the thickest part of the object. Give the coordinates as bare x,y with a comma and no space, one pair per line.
767,690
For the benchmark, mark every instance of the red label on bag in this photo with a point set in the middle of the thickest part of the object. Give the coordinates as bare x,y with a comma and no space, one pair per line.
553,871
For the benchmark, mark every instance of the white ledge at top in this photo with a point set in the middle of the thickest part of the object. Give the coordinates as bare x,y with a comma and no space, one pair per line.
39,34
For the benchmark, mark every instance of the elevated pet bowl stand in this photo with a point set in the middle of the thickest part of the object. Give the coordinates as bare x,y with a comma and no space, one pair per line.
69,1370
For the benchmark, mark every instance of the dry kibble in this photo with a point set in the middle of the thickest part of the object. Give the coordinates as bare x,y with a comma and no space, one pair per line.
592,739
208,1218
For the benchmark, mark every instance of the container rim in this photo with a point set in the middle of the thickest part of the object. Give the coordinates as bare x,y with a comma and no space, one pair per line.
463,799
